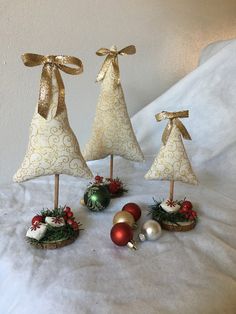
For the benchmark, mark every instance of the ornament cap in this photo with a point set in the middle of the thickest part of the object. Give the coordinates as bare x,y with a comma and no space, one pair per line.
142,237
82,202
132,245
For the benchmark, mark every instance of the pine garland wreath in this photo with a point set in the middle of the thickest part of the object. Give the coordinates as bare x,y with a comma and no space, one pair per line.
115,186
160,215
56,237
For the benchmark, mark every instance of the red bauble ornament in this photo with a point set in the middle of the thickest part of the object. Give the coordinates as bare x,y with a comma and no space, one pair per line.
37,219
121,234
133,209
186,206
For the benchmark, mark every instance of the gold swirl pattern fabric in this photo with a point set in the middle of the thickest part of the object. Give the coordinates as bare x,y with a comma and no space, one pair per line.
112,132
172,162
53,147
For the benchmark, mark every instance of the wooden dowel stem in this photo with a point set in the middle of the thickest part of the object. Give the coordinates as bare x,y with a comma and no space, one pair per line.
111,167
56,191
172,182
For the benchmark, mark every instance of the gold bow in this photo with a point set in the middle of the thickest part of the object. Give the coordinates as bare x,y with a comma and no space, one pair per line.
112,58
52,64
174,119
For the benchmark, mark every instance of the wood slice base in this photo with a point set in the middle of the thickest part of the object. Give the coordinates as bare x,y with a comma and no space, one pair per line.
180,227
53,245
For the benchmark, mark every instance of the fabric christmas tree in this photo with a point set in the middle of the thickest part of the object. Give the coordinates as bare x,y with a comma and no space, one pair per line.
112,132
53,147
172,162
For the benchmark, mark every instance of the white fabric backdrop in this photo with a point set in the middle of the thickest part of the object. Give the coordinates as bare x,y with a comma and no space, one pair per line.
187,273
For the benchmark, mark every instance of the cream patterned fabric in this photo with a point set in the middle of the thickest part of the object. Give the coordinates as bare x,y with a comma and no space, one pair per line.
112,132
53,147
172,162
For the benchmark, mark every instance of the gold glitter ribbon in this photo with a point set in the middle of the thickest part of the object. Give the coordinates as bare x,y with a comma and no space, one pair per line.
173,119
112,58
52,64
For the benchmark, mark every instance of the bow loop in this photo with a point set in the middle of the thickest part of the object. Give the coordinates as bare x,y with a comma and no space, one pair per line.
103,52
129,50
112,58
51,65
173,120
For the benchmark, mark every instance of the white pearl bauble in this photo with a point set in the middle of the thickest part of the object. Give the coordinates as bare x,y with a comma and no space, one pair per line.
151,230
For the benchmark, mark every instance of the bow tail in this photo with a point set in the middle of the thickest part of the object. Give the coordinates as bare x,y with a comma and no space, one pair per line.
61,93
166,132
104,68
45,92
182,129
116,71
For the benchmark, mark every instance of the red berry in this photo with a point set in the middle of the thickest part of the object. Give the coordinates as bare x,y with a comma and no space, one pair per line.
70,221
75,225
67,209
186,205
37,219
114,187
70,214
98,179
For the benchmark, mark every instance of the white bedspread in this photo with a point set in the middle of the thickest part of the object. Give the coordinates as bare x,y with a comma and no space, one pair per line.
187,273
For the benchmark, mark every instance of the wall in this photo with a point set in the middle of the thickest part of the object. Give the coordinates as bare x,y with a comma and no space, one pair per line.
168,34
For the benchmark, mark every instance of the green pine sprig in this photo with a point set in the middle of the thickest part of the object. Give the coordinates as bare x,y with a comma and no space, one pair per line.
56,212
54,234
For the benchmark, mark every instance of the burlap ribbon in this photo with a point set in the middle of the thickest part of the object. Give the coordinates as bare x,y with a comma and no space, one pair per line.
52,64
112,58
173,120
